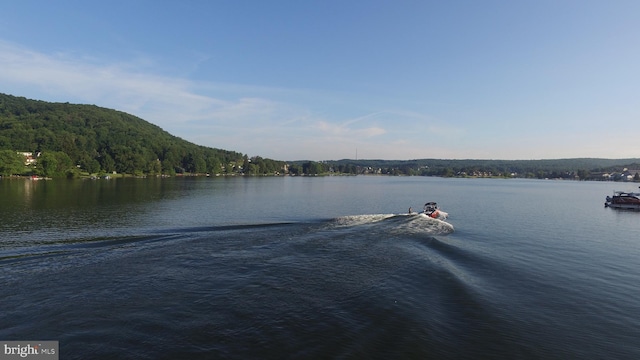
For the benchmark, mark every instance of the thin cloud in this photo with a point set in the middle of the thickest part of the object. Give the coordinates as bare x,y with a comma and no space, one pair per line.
118,84
345,129
247,119
371,132
163,100
361,118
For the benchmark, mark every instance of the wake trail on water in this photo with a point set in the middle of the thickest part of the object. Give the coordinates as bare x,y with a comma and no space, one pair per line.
415,223
96,245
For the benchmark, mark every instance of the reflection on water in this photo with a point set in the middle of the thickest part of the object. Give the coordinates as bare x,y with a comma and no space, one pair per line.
53,209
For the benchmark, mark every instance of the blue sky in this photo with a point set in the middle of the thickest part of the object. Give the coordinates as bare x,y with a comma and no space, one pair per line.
320,80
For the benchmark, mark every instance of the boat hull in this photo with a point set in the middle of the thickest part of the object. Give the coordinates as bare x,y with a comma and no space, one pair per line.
623,200
623,206
442,215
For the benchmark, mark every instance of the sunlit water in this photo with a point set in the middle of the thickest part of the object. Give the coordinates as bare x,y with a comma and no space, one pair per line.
327,267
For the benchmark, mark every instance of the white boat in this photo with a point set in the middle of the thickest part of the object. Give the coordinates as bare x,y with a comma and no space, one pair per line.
623,200
431,210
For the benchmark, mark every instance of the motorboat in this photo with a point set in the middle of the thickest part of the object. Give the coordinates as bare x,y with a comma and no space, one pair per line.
623,200
431,210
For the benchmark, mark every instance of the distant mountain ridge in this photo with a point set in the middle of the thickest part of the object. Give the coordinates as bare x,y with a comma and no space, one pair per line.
578,168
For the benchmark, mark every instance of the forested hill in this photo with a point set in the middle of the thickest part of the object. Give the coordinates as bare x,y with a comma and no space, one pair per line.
105,140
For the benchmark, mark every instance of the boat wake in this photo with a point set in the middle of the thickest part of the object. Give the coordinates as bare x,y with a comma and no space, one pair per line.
415,223
35,254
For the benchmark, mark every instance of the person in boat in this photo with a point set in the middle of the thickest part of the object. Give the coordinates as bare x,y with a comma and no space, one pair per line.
428,208
431,209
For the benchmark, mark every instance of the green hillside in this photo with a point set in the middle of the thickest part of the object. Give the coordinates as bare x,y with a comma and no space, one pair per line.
99,140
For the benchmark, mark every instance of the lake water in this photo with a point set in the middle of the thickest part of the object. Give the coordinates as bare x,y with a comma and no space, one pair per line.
326,267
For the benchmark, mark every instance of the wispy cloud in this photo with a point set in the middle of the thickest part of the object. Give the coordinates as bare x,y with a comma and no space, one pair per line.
169,102
345,129
120,84
249,119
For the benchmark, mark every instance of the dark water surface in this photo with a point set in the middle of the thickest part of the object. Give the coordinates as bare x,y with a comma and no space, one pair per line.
330,267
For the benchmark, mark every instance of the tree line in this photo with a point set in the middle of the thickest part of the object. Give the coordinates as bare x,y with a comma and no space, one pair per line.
569,169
